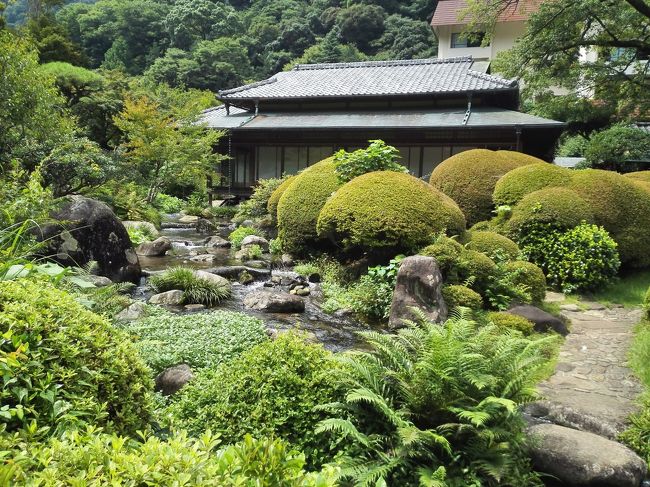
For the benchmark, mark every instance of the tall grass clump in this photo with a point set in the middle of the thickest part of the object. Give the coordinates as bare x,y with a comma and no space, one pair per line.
196,289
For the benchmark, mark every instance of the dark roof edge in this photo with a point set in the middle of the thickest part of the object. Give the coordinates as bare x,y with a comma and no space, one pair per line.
248,86
378,64
509,83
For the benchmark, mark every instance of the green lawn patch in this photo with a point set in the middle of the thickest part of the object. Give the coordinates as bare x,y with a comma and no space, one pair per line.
629,290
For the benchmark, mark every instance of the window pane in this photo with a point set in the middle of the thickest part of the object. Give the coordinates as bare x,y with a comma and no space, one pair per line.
414,161
457,149
317,154
431,158
267,162
291,160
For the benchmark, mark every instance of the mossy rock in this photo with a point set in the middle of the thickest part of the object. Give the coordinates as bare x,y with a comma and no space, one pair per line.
272,204
301,203
621,207
560,207
476,267
509,321
446,251
521,157
492,244
516,184
469,179
456,295
529,275
639,175
387,209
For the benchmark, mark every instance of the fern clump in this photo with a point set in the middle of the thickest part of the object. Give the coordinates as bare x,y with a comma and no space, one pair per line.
196,289
438,405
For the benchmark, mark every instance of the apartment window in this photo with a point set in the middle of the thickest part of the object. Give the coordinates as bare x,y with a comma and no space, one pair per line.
472,39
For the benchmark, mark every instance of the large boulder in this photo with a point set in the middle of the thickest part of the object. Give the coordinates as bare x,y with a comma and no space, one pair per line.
580,459
213,278
205,226
132,312
274,301
169,298
157,248
217,242
173,379
87,230
419,285
251,240
542,320
233,271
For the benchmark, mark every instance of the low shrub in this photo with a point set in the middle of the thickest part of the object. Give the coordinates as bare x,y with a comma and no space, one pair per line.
199,340
252,252
614,146
168,204
270,390
139,234
388,210
469,179
274,199
377,157
237,236
529,276
584,258
446,251
95,458
275,246
493,245
224,212
456,295
477,268
301,203
257,205
428,406
306,269
507,321
196,289
63,365
516,184
639,175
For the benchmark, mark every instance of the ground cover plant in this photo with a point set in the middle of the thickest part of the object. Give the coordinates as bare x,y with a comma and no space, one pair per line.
196,288
202,340
239,234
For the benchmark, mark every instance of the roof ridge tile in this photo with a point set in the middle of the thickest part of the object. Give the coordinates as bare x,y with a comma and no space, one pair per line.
372,64
495,79
249,86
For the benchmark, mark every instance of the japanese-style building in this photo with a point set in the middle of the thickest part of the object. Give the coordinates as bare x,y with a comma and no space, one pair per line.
429,109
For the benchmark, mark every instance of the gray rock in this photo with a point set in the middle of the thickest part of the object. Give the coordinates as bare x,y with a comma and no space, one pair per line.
173,379
562,415
242,255
217,242
251,240
274,301
204,258
194,307
169,298
580,459
233,271
213,278
133,312
553,297
150,227
205,226
245,277
419,285
258,264
157,248
99,281
570,307
188,219
542,320
247,223
302,291
87,230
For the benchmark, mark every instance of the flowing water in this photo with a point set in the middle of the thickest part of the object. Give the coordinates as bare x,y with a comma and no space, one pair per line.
335,333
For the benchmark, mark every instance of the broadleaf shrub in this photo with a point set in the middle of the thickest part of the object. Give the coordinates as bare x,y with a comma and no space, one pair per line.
257,205
200,340
456,295
377,157
168,204
237,236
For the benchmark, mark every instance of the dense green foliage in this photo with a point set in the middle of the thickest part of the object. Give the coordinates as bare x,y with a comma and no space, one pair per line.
270,390
64,365
94,458
197,289
238,235
492,244
456,295
301,203
616,146
200,340
469,179
257,206
377,157
509,321
388,210
446,252
516,184
437,405
529,276
274,199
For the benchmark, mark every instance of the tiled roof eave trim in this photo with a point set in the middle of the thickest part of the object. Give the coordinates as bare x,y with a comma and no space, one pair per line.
508,83
248,86
381,64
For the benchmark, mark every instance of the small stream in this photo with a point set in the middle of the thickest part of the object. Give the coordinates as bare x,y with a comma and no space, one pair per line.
335,333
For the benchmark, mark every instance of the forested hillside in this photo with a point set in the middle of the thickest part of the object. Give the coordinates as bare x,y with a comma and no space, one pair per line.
220,44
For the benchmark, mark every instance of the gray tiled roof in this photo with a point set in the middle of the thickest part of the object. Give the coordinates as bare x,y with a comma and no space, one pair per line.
374,78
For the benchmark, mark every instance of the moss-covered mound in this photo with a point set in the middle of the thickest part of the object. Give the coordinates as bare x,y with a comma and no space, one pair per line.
301,203
469,179
622,208
531,276
560,207
446,251
640,175
516,184
492,244
386,209
456,295
272,204
508,321
520,157
477,268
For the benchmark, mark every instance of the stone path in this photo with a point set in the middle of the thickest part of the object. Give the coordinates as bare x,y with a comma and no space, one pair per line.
592,388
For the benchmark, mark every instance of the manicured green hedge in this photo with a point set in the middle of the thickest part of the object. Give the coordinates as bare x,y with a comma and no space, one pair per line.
272,205
493,245
446,251
301,203
516,184
469,179
520,157
529,275
387,209
476,267
507,321
62,364
639,175
457,295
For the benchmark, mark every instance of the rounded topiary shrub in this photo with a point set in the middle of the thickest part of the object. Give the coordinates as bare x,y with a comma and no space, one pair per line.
509,321
272,205
516,184
271,390
446,251
67,365
529,275
639,175
493,245
301,203
561,208
469,179
456,295
387,209
622,208
477,268
520,157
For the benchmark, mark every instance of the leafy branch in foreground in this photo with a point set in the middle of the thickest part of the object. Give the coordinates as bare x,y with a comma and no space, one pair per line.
437,405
